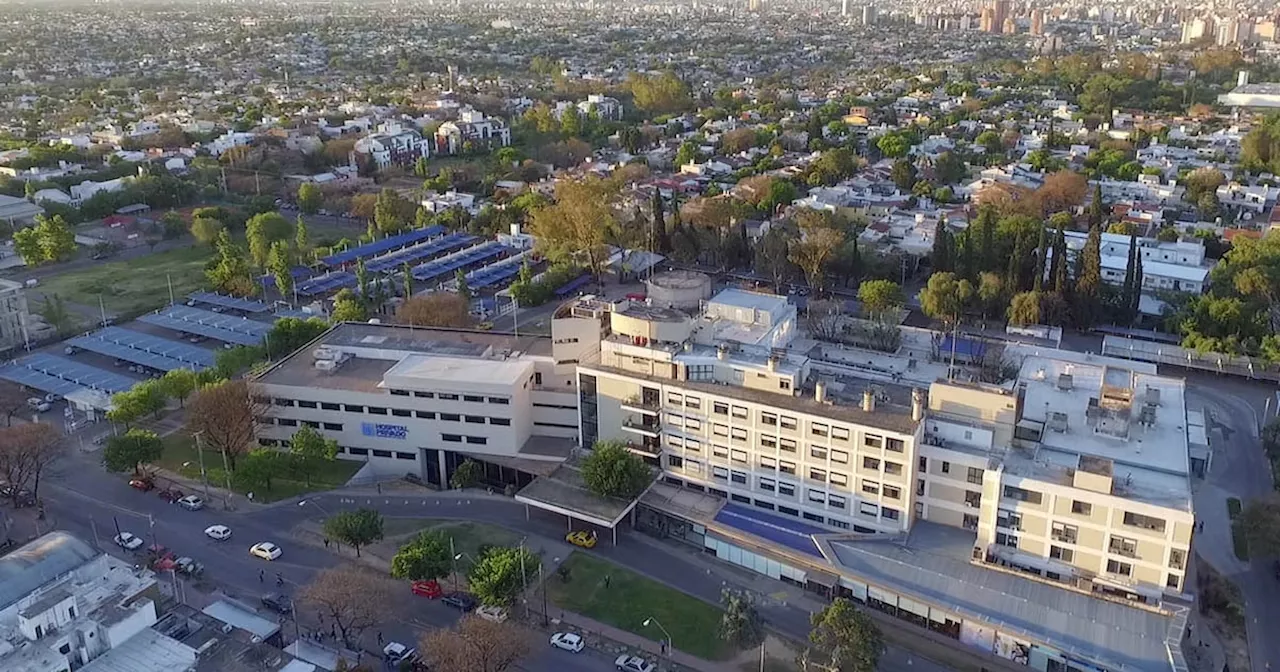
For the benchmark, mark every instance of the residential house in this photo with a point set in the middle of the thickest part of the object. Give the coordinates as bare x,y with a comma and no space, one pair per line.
472,130
393,144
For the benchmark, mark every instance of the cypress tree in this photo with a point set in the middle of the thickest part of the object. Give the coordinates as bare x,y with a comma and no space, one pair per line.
1059,270
1130,270
941,258
1095,207
986,238
1041,250
1089,278
1137,288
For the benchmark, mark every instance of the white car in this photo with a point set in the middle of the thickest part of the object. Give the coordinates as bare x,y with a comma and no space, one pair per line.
633,664
218,532
191,503
396,653
128,541
265,550
569,641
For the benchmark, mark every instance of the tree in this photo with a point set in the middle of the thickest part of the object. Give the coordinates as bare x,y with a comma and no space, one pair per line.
948,168
610,470
817,245
843,639
1259,522
1024,309
225,412
301,239
179,384
427,557
353,600
230,273
261,231
894,144
356,529
942,258
740,624
1058,258
990,292
131,450
903,175
290,333
310,198
571,122
687,153
659,94
12,400
347,307
260,467
25,451
206,229
145,398
1088,279
990,141
476,645
771,257
1061,190
499,576
1097,209
944,298
437,309
26,242
310,449
1042,251
463,289
279,267
55,312
391,212
878,296
57,242
573,228
467,475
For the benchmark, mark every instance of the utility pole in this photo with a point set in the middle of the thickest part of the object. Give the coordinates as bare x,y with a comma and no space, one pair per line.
169,278
226,471
204,475
223,180
257,184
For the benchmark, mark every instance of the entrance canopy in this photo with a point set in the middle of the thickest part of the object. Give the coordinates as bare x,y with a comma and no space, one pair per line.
563,491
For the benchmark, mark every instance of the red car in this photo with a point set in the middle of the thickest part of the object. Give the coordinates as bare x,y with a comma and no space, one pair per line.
143,484
428,589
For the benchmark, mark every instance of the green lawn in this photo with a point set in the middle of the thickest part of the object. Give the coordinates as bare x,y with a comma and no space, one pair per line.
135,285
631,598
467,536
1239,543
180,456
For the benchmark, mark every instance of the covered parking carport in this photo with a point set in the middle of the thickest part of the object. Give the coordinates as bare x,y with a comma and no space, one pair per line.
564,491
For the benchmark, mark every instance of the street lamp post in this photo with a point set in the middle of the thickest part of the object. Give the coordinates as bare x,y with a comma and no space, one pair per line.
653,620
455,555
204,475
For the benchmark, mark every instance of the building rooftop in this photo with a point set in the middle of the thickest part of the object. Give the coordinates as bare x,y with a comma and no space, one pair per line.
39,562
147,651
564,491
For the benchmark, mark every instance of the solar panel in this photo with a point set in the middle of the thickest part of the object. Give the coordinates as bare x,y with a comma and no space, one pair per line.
37,380
232,302
448,265
385,245
151,351
299,314
327,283
431,249
494,274
81,375
226,328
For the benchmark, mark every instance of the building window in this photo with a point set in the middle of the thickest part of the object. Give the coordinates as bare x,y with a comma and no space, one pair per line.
377,410
675,461
310,423
1122,546
836,522
789,511
425,415
817,496
693,445
784,384
382,453
817,452
1082,508
401,413
970,522
891,492
502,422
675,441
693,402
675,399
971,499
888,513
287,422
739,477
787,445
835,501
1004,539
768,442
1145,522
839,457
306,404
787,468
786,489
284,402
868,509
500,400
741,499
720,473
768,462
450,417
946,467
328,406
768,506
840,433
448,397
873,441
768,484
400,393
739,412
405,456
333,426
895,446
1177,559
1065,533
358,451
1173,581
477,440
819,429
475,419
974,476
813,516
473,398
719,430
723,451
738,434
787,423
1029,496
1120,568
720,408
452,438
768,419
741,456
702,372
871,463
817,475
923,465
839,479
892,468
424,395
871,487
353,408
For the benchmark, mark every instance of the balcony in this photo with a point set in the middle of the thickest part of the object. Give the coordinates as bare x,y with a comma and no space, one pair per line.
643,428
647,448
638,405
1014,524
1123,551
1064,537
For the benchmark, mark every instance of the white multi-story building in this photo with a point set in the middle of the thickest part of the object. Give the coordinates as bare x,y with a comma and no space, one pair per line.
14,316
393,144
1178,266
64,605
422,401
472,129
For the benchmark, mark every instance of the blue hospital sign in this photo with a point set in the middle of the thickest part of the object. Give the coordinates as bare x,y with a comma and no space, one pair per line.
384,431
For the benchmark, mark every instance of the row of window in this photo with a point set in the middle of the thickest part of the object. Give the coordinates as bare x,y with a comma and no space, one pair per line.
770,506
397,412
471,398
785,422
401,413
785,489
460,438
1150,523
349,450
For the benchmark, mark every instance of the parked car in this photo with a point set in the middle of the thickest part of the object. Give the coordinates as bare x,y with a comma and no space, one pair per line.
191,503
396,653
583,538
633,664
460,601
218,532
189,567
429,589
170,495
569,641
144,484
128,541
277,603
38,405
495,614
265,550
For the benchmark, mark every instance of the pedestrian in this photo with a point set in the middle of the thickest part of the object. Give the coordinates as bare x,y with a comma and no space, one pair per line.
321,616
261,575
663,644
379,486
333,633
607,578
379,638
326,542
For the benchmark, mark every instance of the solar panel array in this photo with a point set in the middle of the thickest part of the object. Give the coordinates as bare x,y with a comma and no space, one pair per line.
442,268
428,250
66,374
299,314
232,302
494,274
226,328
385,245
154,352
327,283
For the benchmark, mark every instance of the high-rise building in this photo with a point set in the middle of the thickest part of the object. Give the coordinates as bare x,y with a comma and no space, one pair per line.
868,15
1037,22
1196,29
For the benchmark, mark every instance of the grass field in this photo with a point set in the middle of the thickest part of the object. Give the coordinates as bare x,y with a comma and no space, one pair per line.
1239,543
133,285
180,450
630,599
467,536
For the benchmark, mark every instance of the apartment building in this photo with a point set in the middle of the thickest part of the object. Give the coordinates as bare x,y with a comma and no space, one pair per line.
393,144
1178,266
421,401
14,316
1078,473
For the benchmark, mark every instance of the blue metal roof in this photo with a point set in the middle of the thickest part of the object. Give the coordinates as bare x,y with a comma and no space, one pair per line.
327,283
69,371
442,268
226,328
427,250
789,532
964,347
151,351
493,275
232,302
385,245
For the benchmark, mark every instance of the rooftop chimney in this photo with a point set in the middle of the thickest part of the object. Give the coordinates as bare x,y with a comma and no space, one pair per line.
722,352
917,404
773,364
820,392
868,400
